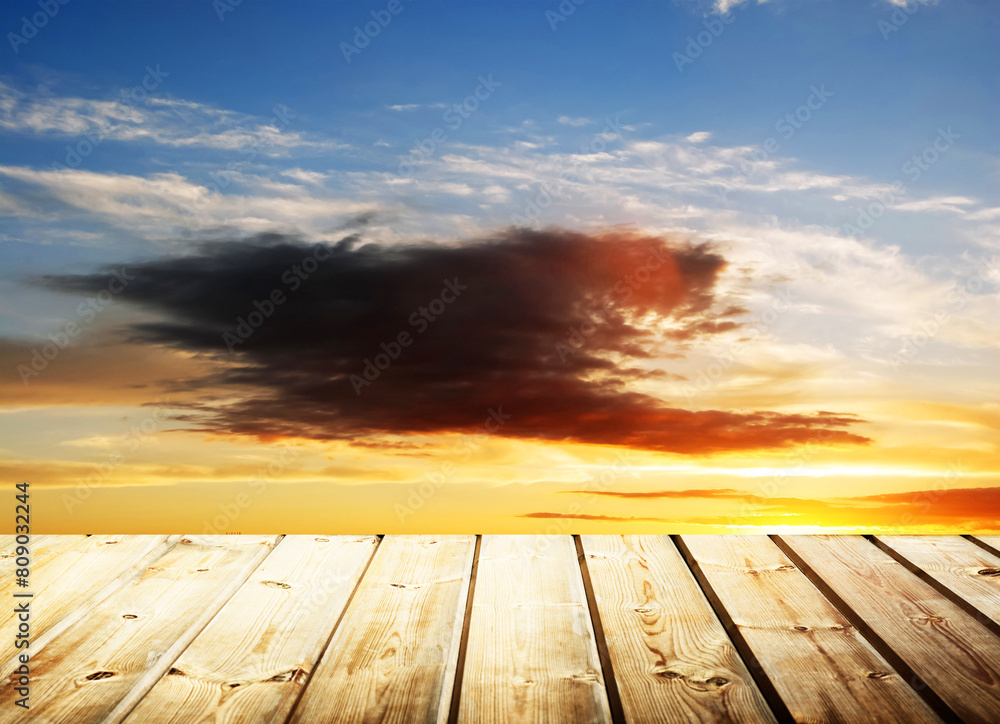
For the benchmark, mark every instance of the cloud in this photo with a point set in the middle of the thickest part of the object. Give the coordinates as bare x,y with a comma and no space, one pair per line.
724,6
309,177
941,509
718,493
587,516
699,137
414,106
954,506
576,122
159,205
951,204
168,122
551,330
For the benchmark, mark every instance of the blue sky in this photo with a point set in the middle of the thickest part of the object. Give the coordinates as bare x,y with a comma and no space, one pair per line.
890,95
787,143
892,87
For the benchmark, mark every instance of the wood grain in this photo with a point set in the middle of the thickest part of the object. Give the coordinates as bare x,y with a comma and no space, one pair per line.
991,542
251,662
820,665
70,576
957,657
97,670
966,570
671,657
394,654
531,652
42,550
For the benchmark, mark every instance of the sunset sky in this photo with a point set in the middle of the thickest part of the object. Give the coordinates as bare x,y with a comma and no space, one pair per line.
513,267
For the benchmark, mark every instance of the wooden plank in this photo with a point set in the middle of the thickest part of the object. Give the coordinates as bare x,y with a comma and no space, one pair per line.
957,564
989,542
394,654
956,656
97,670
251,662
531,652
76,574
820,665
42,549
671,657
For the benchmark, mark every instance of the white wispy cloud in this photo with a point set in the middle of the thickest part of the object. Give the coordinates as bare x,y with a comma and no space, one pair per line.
160,206
724,6
576,122
163,121
414,106
952,204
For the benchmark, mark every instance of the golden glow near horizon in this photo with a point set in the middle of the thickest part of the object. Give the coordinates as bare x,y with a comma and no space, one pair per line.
183,480
508,289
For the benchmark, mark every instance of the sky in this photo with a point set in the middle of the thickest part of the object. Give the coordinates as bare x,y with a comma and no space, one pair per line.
515,267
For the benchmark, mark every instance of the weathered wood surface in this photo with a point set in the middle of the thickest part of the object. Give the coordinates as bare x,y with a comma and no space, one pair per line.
251,662
532,654
309,629
99,669
43,549
957,565
394,655
821,666
956,656
991,542
671,657
68,580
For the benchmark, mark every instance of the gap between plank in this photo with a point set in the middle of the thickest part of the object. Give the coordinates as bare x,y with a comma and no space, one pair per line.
463,644
767,689
336,625
983,544
923,689
71,618
145,683
941,588
610,682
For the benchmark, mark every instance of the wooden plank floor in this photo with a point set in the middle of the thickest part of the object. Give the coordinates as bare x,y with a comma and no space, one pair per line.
326,628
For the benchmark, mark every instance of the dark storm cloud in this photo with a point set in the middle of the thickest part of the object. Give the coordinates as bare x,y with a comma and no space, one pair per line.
529,324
